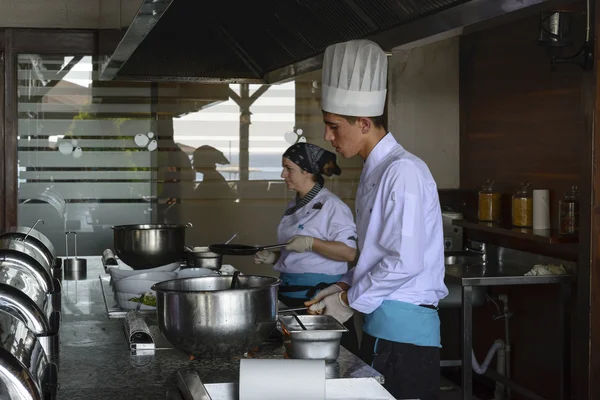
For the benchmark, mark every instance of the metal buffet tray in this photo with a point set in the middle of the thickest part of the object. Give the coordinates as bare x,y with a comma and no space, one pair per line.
320,340
115,312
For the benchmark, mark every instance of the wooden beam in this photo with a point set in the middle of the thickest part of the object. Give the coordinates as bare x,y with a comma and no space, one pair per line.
2,136
587,355
10,131
54,41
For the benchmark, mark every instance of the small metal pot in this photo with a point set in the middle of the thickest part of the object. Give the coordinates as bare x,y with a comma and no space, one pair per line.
149,246
202,257
74,269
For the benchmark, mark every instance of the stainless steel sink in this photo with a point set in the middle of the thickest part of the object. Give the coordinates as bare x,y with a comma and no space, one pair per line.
454,298
462,258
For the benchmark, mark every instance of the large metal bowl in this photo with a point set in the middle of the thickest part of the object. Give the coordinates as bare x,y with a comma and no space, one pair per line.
149,246
203,317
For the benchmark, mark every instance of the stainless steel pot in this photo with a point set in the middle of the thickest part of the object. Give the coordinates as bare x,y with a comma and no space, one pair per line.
202,257
149,246
203,317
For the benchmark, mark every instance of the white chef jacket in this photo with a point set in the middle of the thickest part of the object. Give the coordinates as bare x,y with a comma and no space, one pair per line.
399,226
325,217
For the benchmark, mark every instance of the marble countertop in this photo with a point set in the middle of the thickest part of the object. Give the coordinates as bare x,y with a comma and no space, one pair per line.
95,361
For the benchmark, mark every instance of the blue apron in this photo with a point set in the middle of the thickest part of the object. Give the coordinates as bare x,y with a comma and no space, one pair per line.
303,282
402,322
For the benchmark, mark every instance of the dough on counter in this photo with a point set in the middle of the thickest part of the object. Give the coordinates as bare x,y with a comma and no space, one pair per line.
550,269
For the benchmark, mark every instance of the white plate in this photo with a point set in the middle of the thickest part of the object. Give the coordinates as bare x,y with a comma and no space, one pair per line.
120,273
143,282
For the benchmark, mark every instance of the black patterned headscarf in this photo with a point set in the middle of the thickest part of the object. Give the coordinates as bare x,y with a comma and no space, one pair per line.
313,159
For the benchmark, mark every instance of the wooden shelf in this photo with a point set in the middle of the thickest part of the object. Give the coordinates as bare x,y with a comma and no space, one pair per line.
538,236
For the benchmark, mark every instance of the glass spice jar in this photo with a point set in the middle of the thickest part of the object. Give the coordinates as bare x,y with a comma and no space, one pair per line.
489,203
568,213
522,207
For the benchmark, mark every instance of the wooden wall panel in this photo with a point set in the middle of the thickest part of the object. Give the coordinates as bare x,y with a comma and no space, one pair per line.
520,121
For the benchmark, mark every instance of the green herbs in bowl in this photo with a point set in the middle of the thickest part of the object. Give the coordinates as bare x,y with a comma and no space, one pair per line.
148,299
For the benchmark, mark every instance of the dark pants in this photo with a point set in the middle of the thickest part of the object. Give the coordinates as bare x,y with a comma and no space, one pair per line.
410,372
349,339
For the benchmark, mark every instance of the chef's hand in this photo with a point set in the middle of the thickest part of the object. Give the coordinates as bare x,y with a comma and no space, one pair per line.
329,290
265,257
300,244
333,305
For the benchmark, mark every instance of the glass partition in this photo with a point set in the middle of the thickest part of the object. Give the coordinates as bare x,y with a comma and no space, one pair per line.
79,166
93,154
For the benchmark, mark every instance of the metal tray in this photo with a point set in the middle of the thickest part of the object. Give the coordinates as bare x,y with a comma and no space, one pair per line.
320,340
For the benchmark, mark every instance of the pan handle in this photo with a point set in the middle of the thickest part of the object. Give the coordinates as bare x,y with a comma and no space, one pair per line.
271,247
293,309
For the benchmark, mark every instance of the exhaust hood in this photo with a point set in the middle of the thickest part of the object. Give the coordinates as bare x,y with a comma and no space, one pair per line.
270,41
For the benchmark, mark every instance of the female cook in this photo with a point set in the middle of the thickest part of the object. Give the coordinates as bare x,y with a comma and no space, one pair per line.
317,226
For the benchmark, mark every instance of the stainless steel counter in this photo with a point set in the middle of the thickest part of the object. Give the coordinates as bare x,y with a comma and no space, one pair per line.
96,363
498,274
505,274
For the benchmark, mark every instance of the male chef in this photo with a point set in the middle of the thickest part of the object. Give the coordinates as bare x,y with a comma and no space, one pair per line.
399,277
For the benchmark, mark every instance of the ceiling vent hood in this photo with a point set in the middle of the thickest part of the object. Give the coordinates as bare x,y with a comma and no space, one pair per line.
270,41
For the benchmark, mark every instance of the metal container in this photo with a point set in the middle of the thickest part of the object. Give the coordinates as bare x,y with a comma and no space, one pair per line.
25,373
30,241
202,257
74,269
37,314
43,239
11,243
149,246
453,235
25,272
204,317
320,340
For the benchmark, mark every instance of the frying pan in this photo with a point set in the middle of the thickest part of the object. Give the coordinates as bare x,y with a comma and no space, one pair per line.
240,249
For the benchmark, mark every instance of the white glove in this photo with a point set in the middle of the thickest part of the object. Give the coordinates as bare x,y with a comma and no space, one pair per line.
265,257
329,290
333,305
300,244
